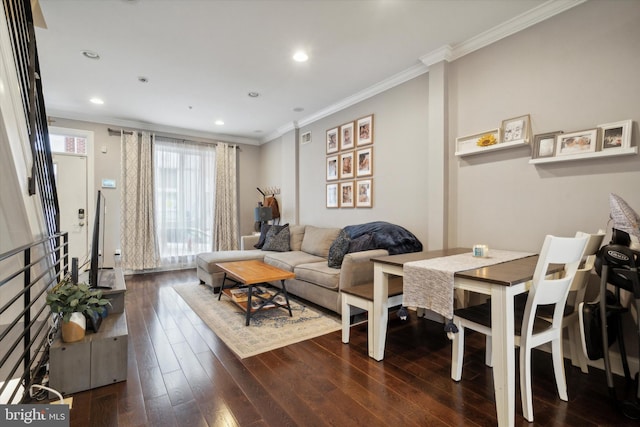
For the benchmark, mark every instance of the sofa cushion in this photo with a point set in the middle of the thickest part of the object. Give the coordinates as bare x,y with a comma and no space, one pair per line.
338,249
289,260
277,239
264,229
317,240
297,234
208,260
318,273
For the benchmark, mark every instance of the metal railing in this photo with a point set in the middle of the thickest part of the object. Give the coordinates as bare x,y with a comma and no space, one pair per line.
25,53
27,332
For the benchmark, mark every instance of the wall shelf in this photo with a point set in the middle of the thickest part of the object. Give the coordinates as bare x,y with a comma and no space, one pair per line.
495,147
608,153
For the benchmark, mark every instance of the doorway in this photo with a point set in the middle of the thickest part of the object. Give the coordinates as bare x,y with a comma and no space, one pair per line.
72,153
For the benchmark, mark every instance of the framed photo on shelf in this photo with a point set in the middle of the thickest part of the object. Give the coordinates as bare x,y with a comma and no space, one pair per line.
615,135
364,129
364,159
544,145
332,141
346,136
346,165
332,196
346,194
364,193
305,138
477,141
581,142
332,168
516,129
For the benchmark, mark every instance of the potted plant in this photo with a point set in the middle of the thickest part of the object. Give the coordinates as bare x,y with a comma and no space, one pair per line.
74,301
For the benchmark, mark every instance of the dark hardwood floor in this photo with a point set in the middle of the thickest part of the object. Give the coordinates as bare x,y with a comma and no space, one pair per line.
181,374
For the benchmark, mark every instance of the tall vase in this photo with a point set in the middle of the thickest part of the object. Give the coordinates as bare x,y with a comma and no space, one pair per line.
75,328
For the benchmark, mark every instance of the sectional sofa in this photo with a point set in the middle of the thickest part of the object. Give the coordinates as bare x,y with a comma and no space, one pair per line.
308,256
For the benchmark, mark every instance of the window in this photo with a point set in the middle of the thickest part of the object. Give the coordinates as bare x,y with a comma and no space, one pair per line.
184,199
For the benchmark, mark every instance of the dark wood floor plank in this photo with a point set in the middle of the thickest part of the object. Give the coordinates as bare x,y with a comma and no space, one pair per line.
181,374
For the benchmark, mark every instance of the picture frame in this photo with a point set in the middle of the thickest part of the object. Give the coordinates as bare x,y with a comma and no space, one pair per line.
305,138
469,144
364,162
332,196
364,193
364,130
347,194
346,136
581,142
332,141
332,168
615,135
347,162
544,144
516,129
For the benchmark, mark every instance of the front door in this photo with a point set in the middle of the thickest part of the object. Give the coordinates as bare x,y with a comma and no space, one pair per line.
71,184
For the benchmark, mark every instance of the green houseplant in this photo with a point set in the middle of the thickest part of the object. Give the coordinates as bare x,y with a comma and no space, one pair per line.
74,301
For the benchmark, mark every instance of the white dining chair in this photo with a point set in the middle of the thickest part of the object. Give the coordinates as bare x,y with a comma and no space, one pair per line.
577,292
531,331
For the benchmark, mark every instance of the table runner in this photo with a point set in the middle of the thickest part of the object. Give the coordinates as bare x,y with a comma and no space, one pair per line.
429,283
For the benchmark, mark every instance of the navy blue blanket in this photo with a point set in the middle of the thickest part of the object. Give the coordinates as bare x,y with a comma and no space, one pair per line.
384,235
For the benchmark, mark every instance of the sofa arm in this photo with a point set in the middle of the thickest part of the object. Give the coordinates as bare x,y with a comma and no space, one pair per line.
357,268
247,243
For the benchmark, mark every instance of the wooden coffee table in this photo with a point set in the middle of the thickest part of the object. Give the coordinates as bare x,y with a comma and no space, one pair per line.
250,273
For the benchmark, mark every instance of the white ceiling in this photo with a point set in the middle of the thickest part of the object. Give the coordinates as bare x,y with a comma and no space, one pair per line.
202,57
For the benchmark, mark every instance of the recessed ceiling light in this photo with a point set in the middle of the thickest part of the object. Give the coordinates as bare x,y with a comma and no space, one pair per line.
96,101
90,54
253,94
300,56
219,122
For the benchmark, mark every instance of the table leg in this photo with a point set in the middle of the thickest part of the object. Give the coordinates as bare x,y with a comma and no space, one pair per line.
249,305
286,297
502,327
224,279
379,316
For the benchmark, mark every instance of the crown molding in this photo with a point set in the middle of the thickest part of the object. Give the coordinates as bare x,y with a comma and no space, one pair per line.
151,127
377,88
513,26
445,53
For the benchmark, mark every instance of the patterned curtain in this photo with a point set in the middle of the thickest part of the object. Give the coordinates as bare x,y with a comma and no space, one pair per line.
137,225
225,226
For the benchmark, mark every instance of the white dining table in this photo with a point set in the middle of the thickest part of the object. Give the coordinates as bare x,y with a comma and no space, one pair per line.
501,281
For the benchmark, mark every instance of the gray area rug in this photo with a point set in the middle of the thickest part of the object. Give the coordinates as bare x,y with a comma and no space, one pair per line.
268,330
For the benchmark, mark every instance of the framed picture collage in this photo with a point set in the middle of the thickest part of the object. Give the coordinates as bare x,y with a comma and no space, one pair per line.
349,164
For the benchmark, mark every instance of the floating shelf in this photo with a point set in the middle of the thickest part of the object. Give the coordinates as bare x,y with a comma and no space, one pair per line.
607,153
495,147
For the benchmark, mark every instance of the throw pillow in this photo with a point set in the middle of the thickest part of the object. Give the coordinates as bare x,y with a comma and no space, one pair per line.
338,249
277,239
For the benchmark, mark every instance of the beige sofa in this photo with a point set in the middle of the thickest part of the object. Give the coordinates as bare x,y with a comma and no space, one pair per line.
315,281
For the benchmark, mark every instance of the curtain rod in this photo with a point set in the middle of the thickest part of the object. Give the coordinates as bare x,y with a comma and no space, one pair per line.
117,132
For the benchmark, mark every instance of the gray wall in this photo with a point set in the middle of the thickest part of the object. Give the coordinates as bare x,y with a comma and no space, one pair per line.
399,152
570,73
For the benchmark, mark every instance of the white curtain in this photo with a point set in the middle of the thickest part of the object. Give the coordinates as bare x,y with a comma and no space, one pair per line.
184,192
226,217
137,228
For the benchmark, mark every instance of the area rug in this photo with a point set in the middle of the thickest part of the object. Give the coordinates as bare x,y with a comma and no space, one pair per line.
268,330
